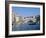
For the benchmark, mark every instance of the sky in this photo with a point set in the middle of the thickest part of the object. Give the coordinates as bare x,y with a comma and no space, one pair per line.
26,11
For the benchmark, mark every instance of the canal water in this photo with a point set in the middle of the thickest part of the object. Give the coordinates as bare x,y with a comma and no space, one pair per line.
26,26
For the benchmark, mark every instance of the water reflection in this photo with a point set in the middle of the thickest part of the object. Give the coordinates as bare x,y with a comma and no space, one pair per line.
26,26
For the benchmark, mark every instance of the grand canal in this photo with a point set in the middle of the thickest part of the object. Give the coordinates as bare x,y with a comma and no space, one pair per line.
26,26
